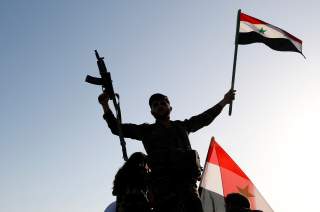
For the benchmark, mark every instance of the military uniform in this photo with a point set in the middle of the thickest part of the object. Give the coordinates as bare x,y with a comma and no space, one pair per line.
173,177
133,201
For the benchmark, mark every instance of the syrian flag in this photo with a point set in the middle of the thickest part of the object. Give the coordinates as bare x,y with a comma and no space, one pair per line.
222,176
253,30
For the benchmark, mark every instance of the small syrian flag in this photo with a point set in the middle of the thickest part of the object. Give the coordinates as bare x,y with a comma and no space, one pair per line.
222,176
253,30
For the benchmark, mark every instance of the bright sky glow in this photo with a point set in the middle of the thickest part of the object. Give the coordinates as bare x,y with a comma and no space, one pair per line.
56,153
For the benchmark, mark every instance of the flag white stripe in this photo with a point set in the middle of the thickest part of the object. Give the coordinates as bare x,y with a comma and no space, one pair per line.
211,179
261,203
271,32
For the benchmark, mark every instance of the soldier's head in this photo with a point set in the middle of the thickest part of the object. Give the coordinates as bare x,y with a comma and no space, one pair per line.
160,106
133,174
236,202
137,161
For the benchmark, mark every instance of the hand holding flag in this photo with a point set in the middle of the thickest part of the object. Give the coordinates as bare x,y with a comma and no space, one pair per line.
228,98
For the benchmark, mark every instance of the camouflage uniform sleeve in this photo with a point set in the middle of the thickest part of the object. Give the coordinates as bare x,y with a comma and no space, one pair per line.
204,119
129,130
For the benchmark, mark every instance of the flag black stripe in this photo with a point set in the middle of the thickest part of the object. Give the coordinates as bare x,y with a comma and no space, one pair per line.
212,201
279,44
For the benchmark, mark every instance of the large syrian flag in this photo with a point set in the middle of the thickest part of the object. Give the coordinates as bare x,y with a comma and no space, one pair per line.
253,30
222,176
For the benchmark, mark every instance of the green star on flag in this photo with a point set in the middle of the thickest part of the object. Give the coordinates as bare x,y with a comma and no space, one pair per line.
262,31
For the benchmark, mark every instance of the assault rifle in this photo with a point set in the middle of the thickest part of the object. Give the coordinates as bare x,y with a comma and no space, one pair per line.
106,83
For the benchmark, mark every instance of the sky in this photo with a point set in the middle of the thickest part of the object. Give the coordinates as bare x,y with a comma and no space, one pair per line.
56,152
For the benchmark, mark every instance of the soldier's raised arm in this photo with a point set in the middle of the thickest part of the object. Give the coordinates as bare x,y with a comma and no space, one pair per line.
129,130
204,119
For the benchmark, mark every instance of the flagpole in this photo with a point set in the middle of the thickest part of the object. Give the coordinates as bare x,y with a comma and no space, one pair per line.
235,58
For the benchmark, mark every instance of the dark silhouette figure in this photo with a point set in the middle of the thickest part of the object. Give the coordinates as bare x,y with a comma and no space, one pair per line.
175,167
130,185
235,202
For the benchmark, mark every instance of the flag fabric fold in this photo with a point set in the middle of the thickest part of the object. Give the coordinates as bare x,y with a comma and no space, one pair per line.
222,176
253,30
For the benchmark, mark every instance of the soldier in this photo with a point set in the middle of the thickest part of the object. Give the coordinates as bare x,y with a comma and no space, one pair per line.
175,167
130,185
236,202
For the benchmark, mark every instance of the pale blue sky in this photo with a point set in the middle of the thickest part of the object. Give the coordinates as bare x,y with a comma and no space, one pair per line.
56,153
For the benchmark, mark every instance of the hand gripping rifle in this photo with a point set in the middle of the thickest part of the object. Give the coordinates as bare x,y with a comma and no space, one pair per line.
106,83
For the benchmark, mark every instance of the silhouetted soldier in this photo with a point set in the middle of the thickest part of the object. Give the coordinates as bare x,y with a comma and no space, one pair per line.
130,185
235,202
175,167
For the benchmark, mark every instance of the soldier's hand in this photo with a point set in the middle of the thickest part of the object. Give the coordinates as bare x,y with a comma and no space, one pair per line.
228,98
103,98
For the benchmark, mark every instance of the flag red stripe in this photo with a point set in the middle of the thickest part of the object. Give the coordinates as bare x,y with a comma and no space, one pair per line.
216,155
247,18
226,162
